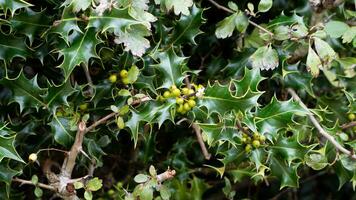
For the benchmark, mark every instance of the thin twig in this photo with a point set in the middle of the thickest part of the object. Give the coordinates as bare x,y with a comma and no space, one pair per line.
41,185
100,121
348,125
320,129
231,11
197,131
89,80
241,128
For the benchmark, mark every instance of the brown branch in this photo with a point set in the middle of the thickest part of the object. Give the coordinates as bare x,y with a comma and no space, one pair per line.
69,162
348,125
197,131
320,129
169,174
141,100
100,121
89,80
241,128
231,11
41,185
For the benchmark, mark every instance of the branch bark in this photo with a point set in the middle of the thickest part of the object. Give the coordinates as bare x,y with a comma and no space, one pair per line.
197,131
348,125
41,185
315,122
169,174
69,162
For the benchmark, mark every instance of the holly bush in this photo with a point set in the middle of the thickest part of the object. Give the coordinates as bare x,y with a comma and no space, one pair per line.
163,99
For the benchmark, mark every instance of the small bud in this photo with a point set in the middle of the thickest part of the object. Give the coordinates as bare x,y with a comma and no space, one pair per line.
32,157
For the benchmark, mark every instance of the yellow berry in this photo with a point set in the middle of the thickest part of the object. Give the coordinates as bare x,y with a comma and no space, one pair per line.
351,116
185,91
191,91
111,192
256,143
173,87
262,138
83,107
123,73
166,94
120,123
179,100
32,157
160,98
180,109
191,103
125,81
256,136
112,78
59,114
176,92
248,148
243,140
186,107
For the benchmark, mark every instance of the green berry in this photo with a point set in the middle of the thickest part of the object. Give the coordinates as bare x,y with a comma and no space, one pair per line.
179,100
83,107
262,138
256,136
185,91
191,103
123,73
354,129
166,94
125,81
256,143
248,148
180,109
176,92
173,87
186,107
351,116
112,78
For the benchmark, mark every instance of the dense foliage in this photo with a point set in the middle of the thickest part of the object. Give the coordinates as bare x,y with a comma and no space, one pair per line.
165,99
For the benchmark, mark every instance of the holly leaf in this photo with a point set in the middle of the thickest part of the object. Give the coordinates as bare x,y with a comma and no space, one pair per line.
67,26
171,68
134,40
265,58
30,23
13,5
286,174
60,129
187,27
57,96
277,115
12,47
289,149
80,51
150,112
336,28
7,149
25,92
218,133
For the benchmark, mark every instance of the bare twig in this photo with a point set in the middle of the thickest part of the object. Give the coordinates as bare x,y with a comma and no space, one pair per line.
169,174
41,185
320,129
141,100
241,128
348,125
89,80
100,121
197,131
69,162
231,11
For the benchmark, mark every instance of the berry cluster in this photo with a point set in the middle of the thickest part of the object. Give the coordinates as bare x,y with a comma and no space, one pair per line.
185,97
255,141
123,75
